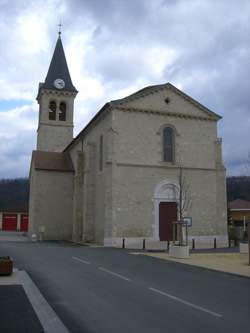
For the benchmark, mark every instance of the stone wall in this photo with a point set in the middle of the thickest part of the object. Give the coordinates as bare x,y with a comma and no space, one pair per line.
54,135
96,201
138,140
51,204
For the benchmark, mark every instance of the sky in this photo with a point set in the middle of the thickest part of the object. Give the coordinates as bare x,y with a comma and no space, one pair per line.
115,47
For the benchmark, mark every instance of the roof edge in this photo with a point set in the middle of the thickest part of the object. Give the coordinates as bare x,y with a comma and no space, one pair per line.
105,107
155,88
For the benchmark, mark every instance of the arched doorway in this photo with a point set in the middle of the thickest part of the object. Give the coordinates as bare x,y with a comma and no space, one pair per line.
166,209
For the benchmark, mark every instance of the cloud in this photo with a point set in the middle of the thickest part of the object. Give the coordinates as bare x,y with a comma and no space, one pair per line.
17,139
115,47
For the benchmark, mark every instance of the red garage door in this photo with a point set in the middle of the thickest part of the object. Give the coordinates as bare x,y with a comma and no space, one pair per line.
24,222
9,222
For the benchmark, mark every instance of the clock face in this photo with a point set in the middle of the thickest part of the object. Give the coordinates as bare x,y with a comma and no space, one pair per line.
59,83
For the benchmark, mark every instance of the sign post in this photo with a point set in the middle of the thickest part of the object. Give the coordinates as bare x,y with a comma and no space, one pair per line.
187,222
248,232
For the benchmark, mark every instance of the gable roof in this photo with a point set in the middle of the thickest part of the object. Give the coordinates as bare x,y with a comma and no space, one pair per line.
96,117
156,88
119,103
239,204
58,69
52,161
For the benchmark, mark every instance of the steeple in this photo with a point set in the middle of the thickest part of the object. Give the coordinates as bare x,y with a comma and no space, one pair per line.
58,76
56,104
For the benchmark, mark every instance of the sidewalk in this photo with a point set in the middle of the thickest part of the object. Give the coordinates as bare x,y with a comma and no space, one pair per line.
234,263
24,309
13,236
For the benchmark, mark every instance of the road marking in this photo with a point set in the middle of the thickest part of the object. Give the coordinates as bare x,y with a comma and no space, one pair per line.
47,316
186,302
115,274
82,261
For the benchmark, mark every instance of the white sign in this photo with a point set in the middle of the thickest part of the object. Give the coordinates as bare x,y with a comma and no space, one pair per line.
187,221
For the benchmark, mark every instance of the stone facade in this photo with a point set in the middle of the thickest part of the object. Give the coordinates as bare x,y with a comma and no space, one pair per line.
51,204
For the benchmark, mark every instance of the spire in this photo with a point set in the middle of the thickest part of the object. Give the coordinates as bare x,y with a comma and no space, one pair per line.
58,69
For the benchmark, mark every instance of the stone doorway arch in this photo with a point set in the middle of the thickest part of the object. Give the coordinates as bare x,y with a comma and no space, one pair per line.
165,191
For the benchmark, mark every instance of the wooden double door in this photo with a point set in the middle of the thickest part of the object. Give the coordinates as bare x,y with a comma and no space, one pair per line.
167,215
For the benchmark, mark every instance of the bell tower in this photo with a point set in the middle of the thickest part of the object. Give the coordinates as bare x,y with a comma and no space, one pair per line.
56,104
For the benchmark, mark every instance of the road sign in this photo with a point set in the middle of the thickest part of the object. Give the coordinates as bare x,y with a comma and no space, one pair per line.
187,221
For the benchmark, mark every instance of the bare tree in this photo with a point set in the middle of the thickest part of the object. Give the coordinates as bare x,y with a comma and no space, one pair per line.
185,201
247,166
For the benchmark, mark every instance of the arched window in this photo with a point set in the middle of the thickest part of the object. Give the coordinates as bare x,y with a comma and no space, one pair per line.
168,144
52,110
62,111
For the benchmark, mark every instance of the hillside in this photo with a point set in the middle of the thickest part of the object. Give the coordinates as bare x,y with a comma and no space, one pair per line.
14,194
238,188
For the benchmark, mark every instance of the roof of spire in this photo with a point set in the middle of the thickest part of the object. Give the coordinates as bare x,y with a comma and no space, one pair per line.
58,69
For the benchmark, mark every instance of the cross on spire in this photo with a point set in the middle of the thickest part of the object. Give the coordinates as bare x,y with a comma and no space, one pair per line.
59,30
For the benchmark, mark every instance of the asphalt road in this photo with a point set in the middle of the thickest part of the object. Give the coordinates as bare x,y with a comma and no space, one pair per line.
110,290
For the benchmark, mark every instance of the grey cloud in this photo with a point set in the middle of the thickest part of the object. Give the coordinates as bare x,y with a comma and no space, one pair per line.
210,38
212,42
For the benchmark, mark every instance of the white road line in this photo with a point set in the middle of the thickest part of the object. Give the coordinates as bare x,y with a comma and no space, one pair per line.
186,302
82,261
115,274
50,321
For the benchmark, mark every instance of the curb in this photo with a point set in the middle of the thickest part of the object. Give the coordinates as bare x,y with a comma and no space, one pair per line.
200,267
47,316
210,269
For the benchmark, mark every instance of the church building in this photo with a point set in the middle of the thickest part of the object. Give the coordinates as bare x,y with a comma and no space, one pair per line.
119,178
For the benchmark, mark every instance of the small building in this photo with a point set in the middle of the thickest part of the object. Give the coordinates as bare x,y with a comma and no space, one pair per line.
239,213
14,219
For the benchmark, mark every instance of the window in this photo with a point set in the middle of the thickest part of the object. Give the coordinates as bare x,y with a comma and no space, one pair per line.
52,110
101,153
62,111
168,144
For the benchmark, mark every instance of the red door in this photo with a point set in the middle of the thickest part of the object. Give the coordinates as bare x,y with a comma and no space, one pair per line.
9,222
167,215
24,222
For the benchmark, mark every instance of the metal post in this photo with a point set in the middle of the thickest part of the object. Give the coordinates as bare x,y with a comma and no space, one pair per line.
123,243
144,244
248,231
193,244
186,234
215,245
173,232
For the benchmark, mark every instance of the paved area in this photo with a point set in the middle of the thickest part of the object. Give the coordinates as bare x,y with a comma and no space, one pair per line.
234,263
17,314
23,308
13,236
109,290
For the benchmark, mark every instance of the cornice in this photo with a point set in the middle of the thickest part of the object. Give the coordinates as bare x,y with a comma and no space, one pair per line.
157,166
56,124
55,93
163,113
151,90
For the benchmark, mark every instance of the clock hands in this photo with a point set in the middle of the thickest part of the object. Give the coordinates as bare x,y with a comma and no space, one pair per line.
59,83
